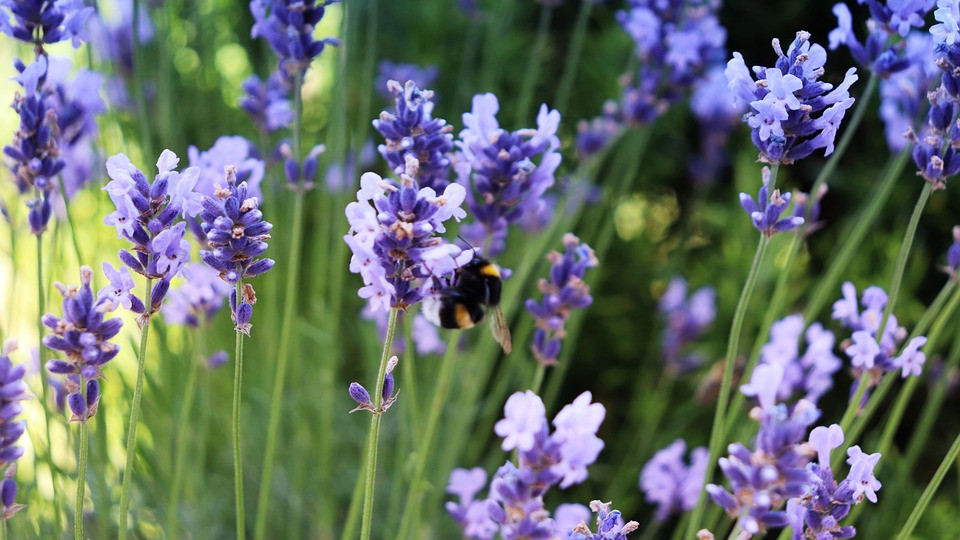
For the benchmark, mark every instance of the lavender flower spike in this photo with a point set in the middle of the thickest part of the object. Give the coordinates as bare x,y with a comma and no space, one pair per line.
785,98
609,525
765,212
565,292
236,236
672,484
14,391
364,403
45,21
288,25
393,226
84,337
412,131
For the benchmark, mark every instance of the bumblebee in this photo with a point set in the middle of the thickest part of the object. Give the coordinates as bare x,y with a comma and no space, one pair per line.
474,289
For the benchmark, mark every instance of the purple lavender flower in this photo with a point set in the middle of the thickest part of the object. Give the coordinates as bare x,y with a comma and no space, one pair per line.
593,135
762,480
934,149
818,512
268,102
360,395
953,253
498,168
218,359
300,175
686,320
881,53
609,524
765,212
146,214
236,235
904,94
675,42
288,25
784,99
42,21
119,290
412,131
670,483
35,151
198,298
392,237
84,337
113,40
810,373
515,506
14,391
563,293
867,352
228,150
422,77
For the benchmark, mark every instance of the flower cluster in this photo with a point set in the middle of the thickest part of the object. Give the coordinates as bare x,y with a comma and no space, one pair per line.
515,505
674,42
394,71
594,135
904,94
43,22
882,52
784,99
497,166
77,103
299,175
935,144
288,25
393,226
671,484
564,292
810,373
147,215
387,397
609,525
236,235
412,131
267,102
818,512
198,299
871,350
765,212
686,320
84,337
34,153
14,391
762,480
227,150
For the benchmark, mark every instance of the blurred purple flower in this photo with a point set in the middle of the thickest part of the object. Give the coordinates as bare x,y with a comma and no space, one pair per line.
686,320
670,483
227,150
422,77
45,21
199,297
287,25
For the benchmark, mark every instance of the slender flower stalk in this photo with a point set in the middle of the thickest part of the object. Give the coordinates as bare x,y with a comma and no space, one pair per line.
237,454
370,476
134,414
81,473
534,63
573,53
182,436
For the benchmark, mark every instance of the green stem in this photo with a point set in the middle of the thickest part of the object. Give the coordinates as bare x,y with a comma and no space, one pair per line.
180,446
733,342
135,411
444,377
532,74
81,471
286,332
573,54
353,511
931,489
103,504
237,454
538,378
904,256
366,522
44,390
73,229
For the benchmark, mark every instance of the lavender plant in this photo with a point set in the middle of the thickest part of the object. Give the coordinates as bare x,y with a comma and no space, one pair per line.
14,391
83,336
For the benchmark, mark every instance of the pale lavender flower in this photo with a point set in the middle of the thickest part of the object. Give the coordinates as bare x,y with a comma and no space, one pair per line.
120,288
670,483
227,150
523,419
199,297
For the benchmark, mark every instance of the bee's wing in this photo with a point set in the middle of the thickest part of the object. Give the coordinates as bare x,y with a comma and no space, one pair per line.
501,332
